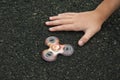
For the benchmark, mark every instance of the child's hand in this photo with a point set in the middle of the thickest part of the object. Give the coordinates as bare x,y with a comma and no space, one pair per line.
89,22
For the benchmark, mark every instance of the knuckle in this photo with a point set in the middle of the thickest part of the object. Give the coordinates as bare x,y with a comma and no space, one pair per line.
75,29
62,27
59,21
99,28
85,39
56,21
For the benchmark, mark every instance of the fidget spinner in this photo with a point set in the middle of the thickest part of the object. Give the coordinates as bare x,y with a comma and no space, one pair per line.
56,48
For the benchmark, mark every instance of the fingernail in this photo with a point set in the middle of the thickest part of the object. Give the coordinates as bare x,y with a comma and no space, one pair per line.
47,23
81,43
50,17
51,29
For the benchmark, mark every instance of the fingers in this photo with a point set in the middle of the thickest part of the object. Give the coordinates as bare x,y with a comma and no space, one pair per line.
62,16
59,22
66,27
85,37
68,13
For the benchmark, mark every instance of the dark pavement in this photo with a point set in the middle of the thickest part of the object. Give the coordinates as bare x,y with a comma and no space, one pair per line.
22,35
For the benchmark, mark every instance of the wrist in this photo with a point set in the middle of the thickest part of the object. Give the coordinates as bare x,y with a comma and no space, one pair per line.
106,8
100,15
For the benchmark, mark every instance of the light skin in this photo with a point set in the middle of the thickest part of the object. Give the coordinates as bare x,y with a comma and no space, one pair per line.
89,22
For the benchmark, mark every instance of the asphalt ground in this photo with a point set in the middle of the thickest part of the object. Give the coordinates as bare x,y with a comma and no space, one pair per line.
22,36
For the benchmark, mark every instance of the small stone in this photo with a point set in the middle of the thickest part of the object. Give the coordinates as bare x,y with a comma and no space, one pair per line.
1,41
115,42
34,14
117,28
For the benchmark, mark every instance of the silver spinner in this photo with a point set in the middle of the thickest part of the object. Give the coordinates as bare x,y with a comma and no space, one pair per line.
55,48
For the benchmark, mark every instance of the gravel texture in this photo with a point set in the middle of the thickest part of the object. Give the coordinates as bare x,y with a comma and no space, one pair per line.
22,36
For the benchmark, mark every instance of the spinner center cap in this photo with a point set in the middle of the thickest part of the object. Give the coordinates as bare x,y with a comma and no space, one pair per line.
55,47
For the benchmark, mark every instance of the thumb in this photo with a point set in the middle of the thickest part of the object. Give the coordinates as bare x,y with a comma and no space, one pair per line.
85,37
